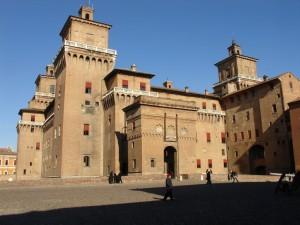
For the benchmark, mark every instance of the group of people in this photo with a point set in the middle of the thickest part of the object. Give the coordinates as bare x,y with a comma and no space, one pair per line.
114,178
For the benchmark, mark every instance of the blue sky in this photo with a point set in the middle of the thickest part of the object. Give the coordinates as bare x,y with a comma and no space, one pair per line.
175,39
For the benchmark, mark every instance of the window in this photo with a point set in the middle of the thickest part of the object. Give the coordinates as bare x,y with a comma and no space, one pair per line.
235,137
37,146
249,134
227,134
132,144
278,95
86,161
125,84
152,163
86,129
88,87
87,102
52,89
214,107
15,162
134,164
32,119
242,135
30,164
0,162
208,137
247,115
203,105
223,137
256,133
291,85
236,154
198,163
223,152
210,165
274,108
225,163
233,118
133,125
87,16
143,86
24,172
6,162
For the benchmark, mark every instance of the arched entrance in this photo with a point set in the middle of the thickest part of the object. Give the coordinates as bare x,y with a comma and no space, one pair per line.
257,160
170,160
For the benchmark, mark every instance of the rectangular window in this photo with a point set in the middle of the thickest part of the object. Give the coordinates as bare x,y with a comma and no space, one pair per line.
233,118
225,163
235,137
247,115
242,135
133,125
203,105
143,86
32,119
198,163
249,134
6,162
274,108
223,137
291,85
88,87
125,84
223,152
86,129
86,161
52,89
236,154
24,172
152,163
208,137
134,164
87,103
15,162
37,146
256,133
214,107
0,162
210,164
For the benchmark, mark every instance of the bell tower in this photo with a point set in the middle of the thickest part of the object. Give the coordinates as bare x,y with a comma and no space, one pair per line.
236,72
86,12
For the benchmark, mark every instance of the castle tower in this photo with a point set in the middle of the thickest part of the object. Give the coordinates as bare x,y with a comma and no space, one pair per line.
80,67
30,127
236,72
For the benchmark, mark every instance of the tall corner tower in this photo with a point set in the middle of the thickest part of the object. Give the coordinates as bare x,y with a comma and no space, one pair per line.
80,67
236,72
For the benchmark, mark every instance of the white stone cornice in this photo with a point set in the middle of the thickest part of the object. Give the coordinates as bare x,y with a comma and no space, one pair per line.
130,92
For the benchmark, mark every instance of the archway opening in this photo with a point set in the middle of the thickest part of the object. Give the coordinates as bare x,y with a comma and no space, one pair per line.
257,160
170,161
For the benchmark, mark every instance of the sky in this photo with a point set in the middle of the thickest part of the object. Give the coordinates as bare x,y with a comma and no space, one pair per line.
178,40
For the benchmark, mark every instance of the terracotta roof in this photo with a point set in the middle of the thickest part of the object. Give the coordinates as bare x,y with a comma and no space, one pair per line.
238,56
7,151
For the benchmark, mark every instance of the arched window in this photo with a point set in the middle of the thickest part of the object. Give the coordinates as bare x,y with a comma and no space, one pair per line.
87,16
86,161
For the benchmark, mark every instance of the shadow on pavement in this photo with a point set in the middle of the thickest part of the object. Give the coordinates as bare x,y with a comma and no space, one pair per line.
242,203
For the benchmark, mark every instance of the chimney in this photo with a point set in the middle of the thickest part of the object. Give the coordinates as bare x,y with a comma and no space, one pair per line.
186,89
133,67
168,84
206,92
265,77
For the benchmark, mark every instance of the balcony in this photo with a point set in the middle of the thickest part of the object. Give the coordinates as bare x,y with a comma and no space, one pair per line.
239,77
90,47
44,94
211,112
131,92
30,123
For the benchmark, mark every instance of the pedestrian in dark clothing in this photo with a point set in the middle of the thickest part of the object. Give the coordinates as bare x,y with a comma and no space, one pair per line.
169,188
119,178
115,178
282,185
111,177
208,176
234,176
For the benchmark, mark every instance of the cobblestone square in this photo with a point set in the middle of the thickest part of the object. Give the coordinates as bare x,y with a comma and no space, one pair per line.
140,203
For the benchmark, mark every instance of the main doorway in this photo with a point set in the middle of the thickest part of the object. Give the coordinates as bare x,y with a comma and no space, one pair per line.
257,160
170,160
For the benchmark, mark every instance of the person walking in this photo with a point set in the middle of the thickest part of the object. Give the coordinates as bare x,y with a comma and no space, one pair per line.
169,188
208,176
111,177
234,176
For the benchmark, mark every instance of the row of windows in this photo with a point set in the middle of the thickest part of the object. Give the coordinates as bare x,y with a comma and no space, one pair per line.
243,135
208,137
210,163
214,106
142,85
6,162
